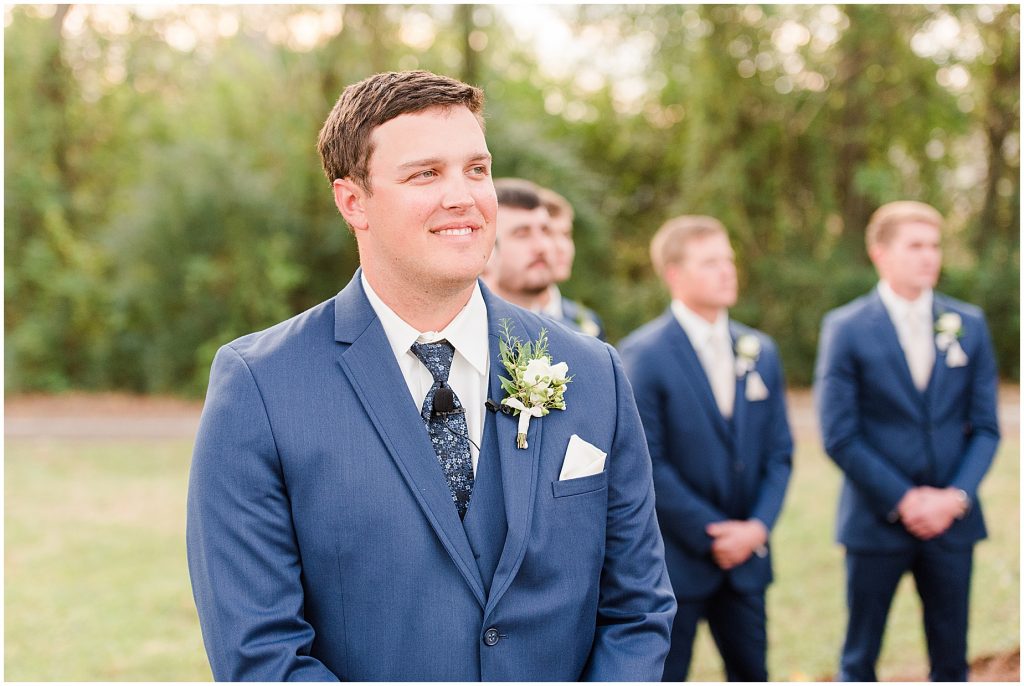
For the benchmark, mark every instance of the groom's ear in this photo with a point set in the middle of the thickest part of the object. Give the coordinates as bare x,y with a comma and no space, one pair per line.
350,199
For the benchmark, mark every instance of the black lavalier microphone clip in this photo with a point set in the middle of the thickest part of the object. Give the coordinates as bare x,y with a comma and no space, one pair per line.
444,402
495,407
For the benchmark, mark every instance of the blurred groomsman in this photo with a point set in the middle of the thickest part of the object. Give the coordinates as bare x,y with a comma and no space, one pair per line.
520,266
711,397
905,387
571,313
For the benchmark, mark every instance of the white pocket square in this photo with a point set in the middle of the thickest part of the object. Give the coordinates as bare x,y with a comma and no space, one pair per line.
756,390
581,459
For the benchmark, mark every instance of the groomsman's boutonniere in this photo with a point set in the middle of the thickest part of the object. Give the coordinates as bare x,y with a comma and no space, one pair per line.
948,331
536,386
748,349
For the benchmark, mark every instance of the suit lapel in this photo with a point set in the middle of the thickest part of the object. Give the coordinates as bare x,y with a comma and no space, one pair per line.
684,353
939,369
519,467
884,333
740,404
370,366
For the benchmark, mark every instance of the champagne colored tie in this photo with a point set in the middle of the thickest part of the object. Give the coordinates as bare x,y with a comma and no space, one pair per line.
721,372
920,349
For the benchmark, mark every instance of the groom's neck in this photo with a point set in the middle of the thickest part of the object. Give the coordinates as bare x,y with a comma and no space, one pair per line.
423,306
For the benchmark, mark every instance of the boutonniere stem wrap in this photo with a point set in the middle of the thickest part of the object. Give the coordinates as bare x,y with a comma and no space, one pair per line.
536,385
948,331
748,350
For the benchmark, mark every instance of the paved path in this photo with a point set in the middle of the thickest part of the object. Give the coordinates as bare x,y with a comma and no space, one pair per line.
116,416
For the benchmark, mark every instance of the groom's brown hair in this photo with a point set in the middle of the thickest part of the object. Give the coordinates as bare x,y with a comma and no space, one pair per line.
345,143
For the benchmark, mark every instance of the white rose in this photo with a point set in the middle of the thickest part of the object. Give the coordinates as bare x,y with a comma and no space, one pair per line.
559,371
949,322
748,346
537,370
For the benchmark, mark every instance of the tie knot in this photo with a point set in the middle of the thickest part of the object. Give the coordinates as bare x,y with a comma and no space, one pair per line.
436,357
918,319
717,342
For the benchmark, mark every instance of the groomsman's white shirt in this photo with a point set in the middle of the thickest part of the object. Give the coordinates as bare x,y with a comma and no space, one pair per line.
714,348
554,307
913,322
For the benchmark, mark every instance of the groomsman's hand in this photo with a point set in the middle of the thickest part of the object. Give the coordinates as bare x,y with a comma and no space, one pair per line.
927,512
736,540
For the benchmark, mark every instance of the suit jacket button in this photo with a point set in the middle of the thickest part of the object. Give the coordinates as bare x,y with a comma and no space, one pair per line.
491,636
738,467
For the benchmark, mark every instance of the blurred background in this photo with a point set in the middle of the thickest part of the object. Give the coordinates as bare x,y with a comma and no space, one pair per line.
163,195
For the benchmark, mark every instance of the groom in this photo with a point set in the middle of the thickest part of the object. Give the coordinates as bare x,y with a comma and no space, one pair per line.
358,505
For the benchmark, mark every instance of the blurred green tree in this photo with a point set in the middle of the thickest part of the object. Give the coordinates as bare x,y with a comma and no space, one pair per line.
164,195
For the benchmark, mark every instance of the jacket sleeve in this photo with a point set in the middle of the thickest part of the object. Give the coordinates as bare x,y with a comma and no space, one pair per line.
636,605
684,512
984,425
778,462
242,553
836,398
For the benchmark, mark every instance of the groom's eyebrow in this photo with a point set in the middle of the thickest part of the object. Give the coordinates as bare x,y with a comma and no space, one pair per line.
425,162
436,161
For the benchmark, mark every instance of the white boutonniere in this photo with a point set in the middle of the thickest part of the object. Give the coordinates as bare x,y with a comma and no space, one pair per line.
536,385
748,350
948,331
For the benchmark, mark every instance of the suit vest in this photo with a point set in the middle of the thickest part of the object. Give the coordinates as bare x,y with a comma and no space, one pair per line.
485,523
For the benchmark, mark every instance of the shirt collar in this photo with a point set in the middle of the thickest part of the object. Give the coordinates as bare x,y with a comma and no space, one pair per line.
697,328
900,308
467,332
554,306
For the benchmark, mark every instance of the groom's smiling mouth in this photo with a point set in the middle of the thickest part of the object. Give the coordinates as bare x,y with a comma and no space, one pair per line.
456,229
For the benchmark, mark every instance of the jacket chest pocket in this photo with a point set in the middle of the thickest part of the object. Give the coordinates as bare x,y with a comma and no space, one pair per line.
581,486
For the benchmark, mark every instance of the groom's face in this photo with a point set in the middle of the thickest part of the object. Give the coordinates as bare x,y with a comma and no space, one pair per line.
429,219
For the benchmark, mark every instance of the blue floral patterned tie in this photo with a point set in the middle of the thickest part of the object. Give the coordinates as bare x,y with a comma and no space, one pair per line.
445,419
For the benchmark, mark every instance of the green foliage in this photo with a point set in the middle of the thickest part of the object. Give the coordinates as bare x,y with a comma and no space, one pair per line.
164,196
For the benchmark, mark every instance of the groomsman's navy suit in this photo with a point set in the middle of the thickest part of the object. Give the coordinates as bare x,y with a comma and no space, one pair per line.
710,469
581,318
323,542
888,437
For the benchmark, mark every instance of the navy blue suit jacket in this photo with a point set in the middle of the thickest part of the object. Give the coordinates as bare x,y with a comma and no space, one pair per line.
705,468
323,543
888,437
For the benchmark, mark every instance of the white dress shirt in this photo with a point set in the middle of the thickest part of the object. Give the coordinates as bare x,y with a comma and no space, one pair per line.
554,307
714,348
467,333
914,325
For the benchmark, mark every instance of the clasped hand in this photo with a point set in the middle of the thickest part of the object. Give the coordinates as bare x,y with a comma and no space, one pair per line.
735,541
927,512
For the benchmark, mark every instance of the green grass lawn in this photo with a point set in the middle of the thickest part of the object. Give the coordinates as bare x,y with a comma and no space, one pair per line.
97,584
96,580
807,606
